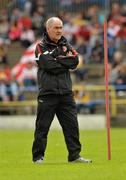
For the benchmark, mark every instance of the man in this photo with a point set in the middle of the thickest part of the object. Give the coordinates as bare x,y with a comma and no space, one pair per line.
55,58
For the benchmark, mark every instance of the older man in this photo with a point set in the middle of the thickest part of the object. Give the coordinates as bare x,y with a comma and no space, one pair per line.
55,57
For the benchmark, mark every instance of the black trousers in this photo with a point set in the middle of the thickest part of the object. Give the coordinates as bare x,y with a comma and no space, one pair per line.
65,109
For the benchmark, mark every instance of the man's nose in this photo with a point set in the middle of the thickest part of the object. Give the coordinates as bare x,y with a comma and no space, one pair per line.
60,30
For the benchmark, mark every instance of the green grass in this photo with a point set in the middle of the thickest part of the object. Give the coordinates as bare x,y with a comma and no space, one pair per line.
15,157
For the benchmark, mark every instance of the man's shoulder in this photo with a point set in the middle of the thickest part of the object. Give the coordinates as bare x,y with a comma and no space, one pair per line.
65,41
40,43
40,46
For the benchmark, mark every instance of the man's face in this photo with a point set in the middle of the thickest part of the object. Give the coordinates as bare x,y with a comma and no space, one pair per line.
55,30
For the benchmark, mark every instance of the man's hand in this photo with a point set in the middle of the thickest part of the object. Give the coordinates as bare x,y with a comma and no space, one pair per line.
69,54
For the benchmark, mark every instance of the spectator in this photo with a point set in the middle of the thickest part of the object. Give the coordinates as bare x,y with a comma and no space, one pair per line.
12,90
117,58
4,28
15,16
97,54
29,76
122,34
15,31
83,102
113,30
26,22
27,37
3,53
4,71
69,29
3,95
124,10
81,45
96,31
19,3
81,72
115,14
3,88
38,20
113,74
28,7
3,74
80,19
121,80
111,49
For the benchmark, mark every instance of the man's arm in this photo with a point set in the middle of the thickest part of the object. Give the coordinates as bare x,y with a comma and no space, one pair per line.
46,61
70,60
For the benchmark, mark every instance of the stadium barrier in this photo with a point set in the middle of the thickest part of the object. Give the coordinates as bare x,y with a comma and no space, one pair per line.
100,100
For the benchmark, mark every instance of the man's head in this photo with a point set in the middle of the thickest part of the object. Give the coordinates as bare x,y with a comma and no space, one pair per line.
54,28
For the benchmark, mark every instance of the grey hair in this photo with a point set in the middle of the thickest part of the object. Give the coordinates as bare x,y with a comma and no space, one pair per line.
51,20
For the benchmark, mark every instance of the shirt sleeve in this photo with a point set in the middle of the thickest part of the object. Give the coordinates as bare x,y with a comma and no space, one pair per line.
47,62
70,62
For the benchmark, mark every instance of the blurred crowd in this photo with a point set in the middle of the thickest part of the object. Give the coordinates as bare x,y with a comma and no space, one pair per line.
24,20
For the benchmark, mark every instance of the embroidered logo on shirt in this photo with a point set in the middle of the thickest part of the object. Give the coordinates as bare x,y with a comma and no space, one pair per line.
40,100
64,48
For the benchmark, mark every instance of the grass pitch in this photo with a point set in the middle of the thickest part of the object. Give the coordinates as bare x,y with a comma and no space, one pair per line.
15,157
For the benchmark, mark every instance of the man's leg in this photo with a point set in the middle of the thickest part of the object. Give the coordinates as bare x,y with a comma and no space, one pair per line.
45,115
67,116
